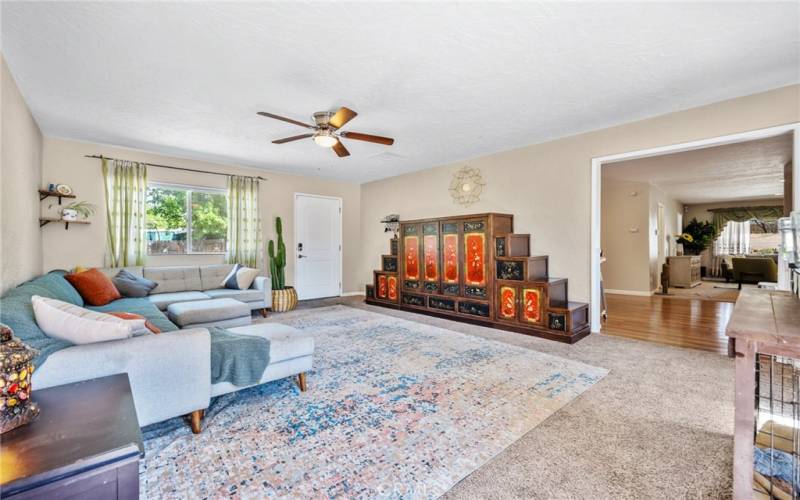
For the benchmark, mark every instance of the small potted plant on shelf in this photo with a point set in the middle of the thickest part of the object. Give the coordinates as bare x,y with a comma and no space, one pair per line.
284,298
73,210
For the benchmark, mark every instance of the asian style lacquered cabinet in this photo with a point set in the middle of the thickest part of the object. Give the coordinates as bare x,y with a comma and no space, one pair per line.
474,268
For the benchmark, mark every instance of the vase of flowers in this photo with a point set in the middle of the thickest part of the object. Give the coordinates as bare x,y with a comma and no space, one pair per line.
696,236
284,298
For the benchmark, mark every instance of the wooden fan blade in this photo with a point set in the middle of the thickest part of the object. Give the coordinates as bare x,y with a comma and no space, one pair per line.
284,119
290,139
369,138
341,117
340,150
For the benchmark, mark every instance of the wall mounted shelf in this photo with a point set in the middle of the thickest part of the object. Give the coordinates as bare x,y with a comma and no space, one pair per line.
43,193
44,222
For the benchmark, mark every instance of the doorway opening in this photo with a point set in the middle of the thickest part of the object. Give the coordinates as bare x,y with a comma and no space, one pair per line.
733,188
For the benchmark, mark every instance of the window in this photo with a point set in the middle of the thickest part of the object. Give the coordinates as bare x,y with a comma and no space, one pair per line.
184,220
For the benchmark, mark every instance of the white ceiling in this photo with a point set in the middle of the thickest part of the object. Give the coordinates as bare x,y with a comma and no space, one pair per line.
742,171
450,81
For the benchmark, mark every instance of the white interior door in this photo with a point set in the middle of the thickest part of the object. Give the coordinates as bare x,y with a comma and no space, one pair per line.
318,246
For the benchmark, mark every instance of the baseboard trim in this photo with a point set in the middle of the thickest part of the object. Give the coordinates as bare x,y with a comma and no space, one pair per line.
353,294
638,293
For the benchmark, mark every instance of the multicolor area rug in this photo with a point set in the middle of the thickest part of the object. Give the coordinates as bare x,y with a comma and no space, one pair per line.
394,409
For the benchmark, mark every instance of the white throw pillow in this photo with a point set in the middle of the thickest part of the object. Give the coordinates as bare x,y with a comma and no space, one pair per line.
240,278
74,324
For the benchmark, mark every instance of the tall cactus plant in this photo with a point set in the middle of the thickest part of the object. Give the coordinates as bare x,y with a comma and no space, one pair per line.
277,261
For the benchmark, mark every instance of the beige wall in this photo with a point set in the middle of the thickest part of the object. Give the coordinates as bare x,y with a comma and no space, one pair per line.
64,161
672,208
625,223
548,186
20,178
628,234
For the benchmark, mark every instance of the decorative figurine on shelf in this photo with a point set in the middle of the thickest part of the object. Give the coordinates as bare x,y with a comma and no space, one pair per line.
391,223
16,368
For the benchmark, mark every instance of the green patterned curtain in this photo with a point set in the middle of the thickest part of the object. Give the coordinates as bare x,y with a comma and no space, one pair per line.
244,221
126,192
741,214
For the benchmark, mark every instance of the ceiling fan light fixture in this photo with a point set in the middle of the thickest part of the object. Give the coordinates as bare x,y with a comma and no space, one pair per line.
325,139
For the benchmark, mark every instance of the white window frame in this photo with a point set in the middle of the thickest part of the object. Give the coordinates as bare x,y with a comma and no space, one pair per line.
189,189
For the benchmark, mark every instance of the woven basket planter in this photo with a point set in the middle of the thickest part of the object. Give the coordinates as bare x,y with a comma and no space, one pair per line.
284,300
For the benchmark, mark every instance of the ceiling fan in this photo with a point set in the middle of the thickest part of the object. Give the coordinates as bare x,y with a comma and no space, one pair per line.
326,131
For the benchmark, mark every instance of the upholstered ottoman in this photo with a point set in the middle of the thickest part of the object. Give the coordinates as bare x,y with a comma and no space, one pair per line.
224,313
291,353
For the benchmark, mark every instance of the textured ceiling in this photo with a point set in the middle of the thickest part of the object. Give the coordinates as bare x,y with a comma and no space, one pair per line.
746,170
450,81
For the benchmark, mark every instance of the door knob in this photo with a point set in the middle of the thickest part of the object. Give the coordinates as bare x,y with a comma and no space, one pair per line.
300,256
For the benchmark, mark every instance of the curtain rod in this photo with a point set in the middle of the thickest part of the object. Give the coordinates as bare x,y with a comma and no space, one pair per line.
100,157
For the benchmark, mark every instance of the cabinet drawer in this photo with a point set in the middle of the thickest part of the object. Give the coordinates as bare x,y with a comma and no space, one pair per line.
481,309
442,304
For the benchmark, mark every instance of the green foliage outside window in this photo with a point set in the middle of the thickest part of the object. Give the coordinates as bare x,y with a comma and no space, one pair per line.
168,213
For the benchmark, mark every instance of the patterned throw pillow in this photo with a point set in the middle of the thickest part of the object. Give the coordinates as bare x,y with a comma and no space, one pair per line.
240,278
96,288
76,325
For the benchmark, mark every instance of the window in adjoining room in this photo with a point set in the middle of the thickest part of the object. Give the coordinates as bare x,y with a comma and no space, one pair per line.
186,220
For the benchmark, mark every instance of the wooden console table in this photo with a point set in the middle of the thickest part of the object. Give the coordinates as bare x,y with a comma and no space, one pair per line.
763,322
86,443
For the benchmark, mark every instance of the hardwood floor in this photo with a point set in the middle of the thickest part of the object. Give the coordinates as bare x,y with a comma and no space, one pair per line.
698,324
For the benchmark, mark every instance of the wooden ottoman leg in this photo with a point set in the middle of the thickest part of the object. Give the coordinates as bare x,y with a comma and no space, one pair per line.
195,419
301,381
263,312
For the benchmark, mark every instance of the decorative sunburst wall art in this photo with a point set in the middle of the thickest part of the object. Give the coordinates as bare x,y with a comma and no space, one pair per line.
466,186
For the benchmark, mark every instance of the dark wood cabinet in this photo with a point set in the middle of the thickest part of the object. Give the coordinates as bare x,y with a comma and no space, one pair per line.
474,268
86,443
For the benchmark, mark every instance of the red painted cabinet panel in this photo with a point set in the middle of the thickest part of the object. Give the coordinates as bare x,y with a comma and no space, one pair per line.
382,288
475,259
391,283
507,302
532,305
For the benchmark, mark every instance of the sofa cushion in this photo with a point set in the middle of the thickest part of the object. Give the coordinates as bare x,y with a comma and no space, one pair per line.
286,342
163,300
148,325
207,311
16,311
130,285
52,285
113,271
174,279
240,278
96,288
212,276
249,295
143,307
76,325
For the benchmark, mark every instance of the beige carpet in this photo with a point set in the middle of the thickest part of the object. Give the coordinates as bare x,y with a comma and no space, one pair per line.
658,426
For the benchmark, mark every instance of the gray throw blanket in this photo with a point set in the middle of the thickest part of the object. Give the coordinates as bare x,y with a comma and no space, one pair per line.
238,359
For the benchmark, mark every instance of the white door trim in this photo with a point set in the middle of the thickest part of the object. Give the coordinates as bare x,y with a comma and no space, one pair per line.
341,235
598,162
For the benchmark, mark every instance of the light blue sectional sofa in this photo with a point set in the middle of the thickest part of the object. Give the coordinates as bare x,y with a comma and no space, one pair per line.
191,283
170,373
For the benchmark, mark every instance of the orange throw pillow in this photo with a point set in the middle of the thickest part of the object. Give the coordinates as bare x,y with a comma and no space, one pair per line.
150,326
95,287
